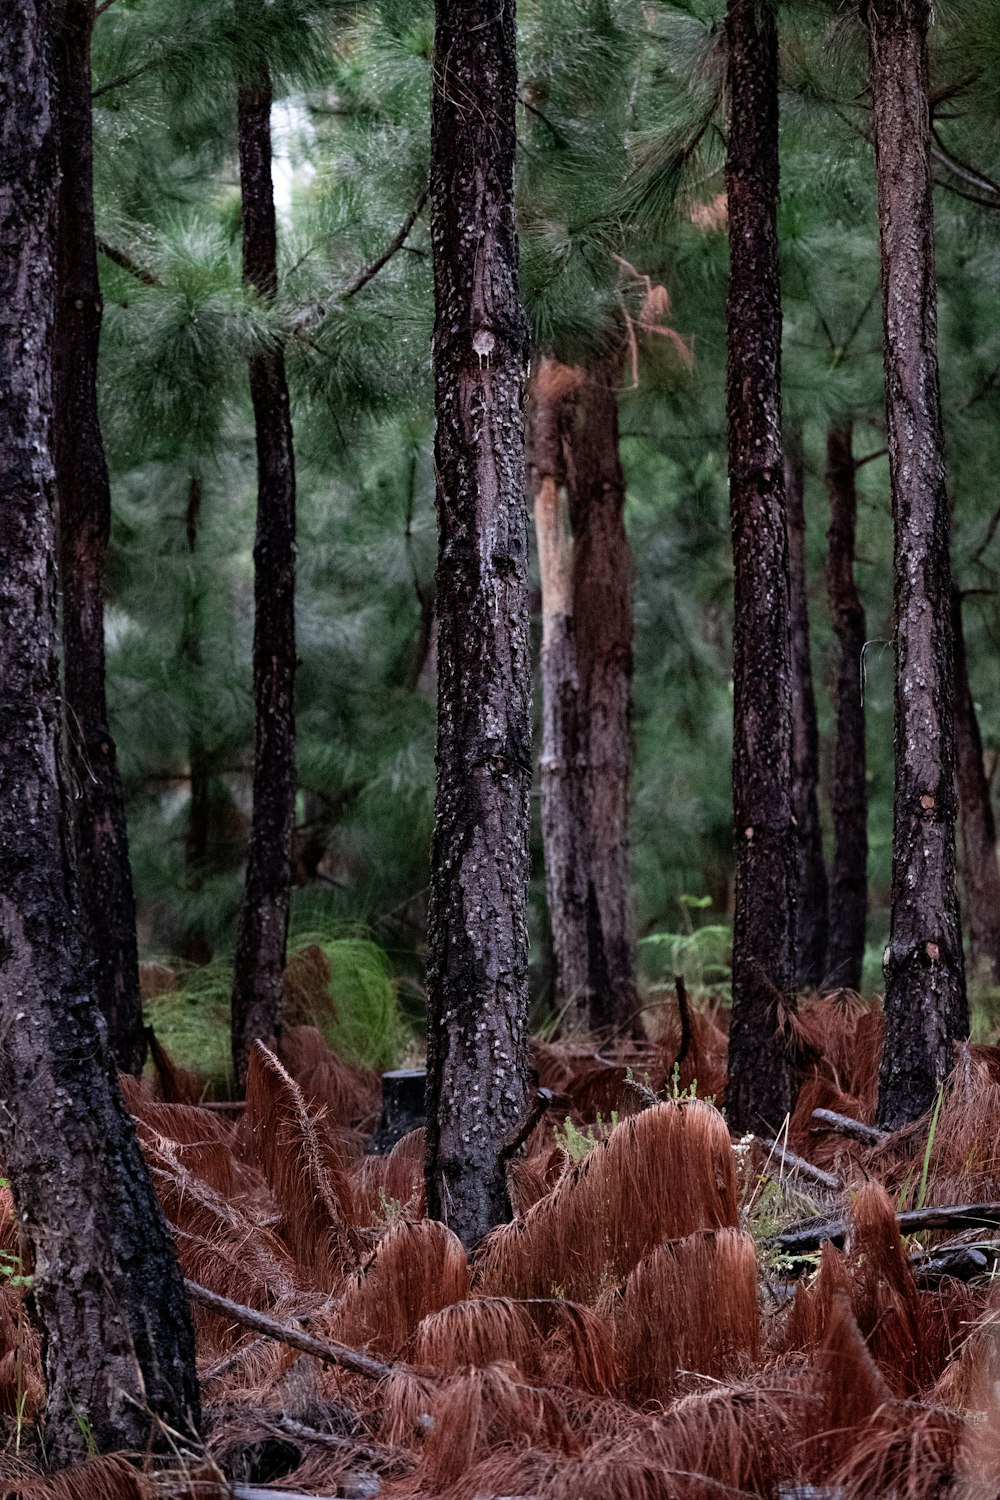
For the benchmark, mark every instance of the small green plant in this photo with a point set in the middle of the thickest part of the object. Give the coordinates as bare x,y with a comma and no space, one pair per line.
577,1142
702,955
390,1210
922,1191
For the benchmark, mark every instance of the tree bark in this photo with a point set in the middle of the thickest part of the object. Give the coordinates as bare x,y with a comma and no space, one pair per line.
980,868
925,1000
477,928
105,875
602,623
195,947
263,925
563,763
813,913
759,1092
849,792
118,1347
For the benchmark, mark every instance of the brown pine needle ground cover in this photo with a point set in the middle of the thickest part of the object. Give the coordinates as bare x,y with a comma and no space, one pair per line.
633,1334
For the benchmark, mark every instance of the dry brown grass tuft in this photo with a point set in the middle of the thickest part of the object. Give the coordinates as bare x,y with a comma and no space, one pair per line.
659,1175
287,1140
417,1269
690,1307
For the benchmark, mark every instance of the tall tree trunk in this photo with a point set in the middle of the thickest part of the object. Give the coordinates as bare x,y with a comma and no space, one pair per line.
195,947
563,762
602,623
263,926
925,1000
477,928
105,875
849,792
760,1087
980,868
118,1348
813,915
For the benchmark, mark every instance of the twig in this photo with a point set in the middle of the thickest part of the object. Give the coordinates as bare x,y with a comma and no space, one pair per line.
332,1354
684,1012
991,532
378,1453
543,1098
870,458
800,1166
844,1125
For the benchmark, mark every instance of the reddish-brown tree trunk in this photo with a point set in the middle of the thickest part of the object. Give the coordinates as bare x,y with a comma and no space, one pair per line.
759,1090
813,917
925,1000
263,926
979,864
117,1342
849,791
477,924
602,627
563,761
105,875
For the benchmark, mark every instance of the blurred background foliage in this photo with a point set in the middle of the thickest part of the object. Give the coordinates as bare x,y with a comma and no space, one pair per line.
621,153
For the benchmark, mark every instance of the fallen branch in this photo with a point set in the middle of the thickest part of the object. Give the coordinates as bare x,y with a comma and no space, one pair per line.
959,1216
296,1338
374,1453
800,1166
844,1125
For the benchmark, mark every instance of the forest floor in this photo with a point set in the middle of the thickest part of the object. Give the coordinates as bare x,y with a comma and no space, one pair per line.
650,1326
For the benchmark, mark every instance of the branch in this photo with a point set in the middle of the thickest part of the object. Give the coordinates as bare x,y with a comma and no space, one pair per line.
912,1221
961,168
870,458
396,244
800,1166
296,1338
991,532
122,258
104,5
844,1125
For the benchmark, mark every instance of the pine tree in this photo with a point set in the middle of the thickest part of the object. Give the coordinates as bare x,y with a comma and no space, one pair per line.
759,1090
477,932
107,1292
925,1001
979,864
260,945
812,901
848,792
84,509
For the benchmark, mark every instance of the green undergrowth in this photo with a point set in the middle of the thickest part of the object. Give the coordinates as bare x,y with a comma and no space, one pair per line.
357,1011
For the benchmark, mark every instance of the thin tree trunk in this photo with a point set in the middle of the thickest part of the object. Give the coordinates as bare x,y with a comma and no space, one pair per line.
105,875
980,868
195,947
602,622
849,792
813,914
759,1091
118,1348
562,763
925,1000
263,926
477,928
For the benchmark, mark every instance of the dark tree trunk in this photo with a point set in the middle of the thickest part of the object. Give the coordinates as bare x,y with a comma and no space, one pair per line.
813,919
849,792
195,947
563,762
477,928
105,875
602,623
263,926
980,869
925,1000
759,1090
107,1292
